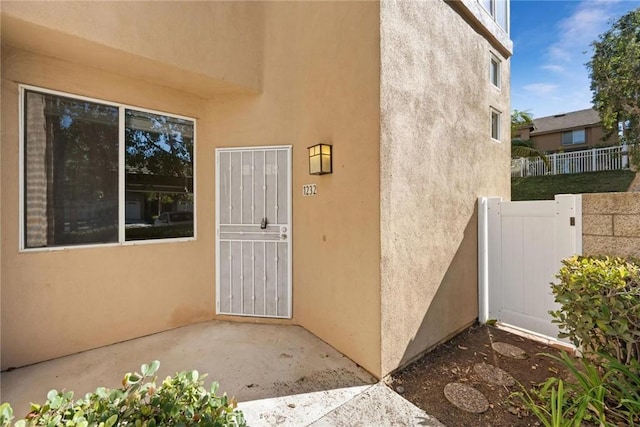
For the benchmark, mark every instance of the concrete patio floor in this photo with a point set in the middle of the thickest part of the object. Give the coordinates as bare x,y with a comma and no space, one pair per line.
281,375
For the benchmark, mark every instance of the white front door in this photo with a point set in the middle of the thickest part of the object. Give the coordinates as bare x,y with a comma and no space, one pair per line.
253,231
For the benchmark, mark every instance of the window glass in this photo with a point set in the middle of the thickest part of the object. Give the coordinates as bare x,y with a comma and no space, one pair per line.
502,14
579,136
487,5
71,185
499,11
159,176
495,124
70,171
574,137
494,71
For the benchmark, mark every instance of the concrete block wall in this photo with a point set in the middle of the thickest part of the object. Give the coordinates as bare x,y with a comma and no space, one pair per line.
611,224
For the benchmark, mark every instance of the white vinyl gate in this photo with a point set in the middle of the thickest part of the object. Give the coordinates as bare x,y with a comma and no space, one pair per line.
253,231
520,247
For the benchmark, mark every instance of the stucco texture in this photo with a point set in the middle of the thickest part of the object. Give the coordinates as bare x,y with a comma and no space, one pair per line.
321,84
384,256
317,80
201,47
437,157
57,303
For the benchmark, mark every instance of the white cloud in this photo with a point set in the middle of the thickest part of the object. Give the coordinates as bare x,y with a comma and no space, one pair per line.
554,68
560,82
541,89
576,32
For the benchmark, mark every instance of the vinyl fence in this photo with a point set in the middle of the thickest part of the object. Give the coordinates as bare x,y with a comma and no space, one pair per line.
520,248
596,159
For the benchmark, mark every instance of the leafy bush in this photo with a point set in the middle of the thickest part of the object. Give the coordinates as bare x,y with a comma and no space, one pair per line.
180,400
600,300
604,395
600,313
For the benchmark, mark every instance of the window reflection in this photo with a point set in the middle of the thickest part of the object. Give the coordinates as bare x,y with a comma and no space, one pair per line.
159,176
70,171
71,184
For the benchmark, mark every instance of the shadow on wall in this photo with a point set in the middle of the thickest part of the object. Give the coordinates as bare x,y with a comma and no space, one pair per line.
455,305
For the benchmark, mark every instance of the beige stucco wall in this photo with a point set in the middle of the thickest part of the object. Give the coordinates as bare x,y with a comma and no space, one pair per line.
201,47
384,255
611,224
72,300
437,157
319,82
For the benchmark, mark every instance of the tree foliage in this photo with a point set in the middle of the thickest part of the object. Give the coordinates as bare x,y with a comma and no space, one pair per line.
521,147
519,119
615,76
158,145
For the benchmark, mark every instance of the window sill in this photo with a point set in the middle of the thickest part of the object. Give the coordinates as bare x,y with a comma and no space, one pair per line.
108,245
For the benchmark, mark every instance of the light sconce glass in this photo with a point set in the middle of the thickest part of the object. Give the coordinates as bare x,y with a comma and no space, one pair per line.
320,159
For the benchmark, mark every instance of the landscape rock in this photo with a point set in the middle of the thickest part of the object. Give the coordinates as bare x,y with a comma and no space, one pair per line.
494,375
466,398
509,350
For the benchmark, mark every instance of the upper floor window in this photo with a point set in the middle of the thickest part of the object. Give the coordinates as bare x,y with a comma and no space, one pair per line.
495,124
494,71
574,137
499,11
97,172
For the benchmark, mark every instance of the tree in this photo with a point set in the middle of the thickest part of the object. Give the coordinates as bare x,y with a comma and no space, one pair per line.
521,147
615,76
518,120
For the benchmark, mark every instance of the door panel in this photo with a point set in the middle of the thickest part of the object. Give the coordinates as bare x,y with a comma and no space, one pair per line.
253,231
525,244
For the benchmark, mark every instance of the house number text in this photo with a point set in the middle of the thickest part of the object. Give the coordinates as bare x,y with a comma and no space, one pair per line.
309,190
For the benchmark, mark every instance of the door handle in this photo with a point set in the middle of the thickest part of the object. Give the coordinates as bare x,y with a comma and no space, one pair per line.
263,224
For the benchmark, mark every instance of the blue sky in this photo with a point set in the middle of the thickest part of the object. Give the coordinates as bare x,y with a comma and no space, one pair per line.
551,41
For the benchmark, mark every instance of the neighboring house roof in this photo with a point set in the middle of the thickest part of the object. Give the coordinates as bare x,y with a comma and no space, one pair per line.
560,122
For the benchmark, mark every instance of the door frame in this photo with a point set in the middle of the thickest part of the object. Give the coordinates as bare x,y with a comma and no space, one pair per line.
289,150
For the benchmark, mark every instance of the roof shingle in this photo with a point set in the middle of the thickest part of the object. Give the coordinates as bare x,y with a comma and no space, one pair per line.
575,119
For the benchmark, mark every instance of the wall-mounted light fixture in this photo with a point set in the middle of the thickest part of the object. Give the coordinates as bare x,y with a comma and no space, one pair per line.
320,159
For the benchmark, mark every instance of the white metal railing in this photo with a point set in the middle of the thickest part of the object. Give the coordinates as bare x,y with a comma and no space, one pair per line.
593,160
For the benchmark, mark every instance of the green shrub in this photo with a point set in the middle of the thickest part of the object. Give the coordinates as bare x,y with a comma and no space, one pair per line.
604,394
180,400
600,313
600,298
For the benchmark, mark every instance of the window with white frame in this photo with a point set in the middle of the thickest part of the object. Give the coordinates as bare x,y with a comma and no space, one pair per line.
574,137
499,11
97,172
494,71
495,124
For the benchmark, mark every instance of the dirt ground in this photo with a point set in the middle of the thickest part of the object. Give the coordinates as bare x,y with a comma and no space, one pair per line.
423,381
